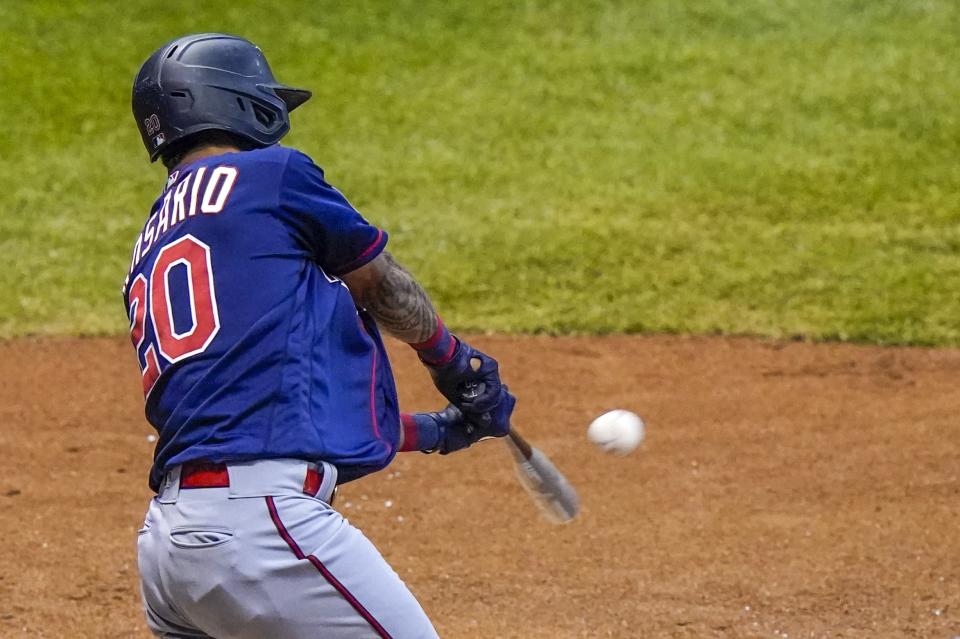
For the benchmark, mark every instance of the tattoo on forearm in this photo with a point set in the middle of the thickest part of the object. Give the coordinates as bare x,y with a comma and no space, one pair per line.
400,305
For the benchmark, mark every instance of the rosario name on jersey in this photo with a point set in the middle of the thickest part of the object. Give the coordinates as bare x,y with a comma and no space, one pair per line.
249,345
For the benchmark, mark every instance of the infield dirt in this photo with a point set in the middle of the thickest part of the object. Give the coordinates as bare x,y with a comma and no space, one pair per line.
784,490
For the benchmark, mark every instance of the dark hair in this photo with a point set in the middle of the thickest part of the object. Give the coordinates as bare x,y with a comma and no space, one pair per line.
212,137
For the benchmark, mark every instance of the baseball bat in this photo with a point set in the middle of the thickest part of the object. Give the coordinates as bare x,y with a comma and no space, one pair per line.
546,485
549,489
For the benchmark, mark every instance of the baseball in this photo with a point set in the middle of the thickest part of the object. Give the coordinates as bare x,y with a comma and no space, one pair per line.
618,432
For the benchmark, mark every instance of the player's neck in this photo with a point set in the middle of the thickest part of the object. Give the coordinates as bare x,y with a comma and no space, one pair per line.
205,151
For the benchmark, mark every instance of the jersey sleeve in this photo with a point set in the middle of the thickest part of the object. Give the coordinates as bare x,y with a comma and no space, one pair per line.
323,221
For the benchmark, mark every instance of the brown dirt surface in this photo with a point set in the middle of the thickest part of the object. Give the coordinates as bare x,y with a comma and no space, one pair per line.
784,490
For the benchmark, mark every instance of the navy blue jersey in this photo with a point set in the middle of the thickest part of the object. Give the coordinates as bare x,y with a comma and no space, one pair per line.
250,346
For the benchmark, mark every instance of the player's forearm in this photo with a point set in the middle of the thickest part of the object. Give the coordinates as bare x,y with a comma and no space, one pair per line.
396,300
402,308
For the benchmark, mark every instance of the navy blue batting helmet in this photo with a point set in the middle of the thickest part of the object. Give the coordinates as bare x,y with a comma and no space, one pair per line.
210,81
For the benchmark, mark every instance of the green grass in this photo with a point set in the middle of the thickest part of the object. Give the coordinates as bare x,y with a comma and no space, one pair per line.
738,166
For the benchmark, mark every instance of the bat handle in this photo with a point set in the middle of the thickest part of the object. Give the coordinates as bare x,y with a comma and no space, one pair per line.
472,390
522,445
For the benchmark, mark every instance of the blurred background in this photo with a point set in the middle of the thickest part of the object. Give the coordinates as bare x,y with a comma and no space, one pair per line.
770,167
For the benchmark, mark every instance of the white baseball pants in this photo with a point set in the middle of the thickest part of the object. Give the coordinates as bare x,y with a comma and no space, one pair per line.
259,559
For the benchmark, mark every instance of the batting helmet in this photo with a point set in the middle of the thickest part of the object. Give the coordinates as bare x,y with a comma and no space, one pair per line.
210,81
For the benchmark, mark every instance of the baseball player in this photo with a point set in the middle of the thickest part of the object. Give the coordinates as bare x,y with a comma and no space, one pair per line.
255,295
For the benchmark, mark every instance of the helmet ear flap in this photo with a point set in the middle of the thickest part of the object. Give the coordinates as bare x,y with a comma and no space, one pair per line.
266,117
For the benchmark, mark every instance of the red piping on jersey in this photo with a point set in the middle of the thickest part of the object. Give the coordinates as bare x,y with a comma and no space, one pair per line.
372,246
346,594
373,381
373,393
352,264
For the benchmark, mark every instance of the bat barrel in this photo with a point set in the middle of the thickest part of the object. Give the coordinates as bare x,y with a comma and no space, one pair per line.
549,489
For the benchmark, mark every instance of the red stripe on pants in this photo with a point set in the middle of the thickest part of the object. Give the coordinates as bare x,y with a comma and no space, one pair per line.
346,594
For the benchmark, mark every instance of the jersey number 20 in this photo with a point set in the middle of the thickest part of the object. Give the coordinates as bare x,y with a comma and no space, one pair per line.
153,295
